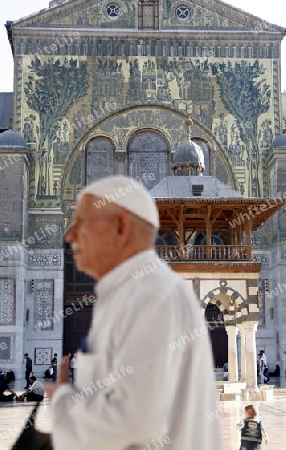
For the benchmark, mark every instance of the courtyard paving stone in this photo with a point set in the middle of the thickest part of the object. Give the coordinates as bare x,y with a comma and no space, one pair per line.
272,413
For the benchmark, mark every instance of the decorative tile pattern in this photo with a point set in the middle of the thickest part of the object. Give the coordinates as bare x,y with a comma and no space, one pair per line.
7,347
44,260
261,258
44,304
7,303
10,252
43,356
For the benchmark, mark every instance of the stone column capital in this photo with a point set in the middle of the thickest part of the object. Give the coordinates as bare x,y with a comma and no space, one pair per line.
231,329
240,328
121,155
250,326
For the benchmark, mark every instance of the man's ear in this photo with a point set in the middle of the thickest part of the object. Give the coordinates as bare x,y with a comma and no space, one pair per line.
124,226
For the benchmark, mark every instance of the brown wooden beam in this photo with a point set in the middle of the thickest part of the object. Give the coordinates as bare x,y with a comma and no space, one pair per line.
214,267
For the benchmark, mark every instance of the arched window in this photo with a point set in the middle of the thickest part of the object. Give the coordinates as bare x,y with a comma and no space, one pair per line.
217,238
148,158
166,237
99,159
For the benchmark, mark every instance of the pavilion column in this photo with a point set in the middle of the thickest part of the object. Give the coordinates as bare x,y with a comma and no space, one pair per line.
242,353
250,328
248,231
181,232
231,241
239,235
208,233
232,352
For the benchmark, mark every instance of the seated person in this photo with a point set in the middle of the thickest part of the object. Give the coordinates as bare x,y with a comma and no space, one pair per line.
49,372
10,375
276,372
35,393
225,371
4,386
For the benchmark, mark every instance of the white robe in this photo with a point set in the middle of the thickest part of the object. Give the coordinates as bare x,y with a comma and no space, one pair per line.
135,387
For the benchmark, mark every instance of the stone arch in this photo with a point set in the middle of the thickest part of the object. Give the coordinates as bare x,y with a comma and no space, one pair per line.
119,128
167,237
217,332
231,304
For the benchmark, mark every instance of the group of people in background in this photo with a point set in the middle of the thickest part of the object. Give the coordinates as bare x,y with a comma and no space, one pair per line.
4,386
51,372
35,391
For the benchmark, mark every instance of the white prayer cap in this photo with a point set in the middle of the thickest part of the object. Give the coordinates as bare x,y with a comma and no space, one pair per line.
127,193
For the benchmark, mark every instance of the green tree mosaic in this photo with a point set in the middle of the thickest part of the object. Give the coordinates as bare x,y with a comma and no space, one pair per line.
246,99
51,90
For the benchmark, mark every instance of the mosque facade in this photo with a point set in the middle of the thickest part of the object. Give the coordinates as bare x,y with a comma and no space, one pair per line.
104,88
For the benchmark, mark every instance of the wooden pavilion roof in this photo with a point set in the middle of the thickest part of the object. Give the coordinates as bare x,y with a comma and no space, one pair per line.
222,212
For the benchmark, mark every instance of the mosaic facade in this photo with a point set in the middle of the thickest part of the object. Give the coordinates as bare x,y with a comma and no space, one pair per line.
87,77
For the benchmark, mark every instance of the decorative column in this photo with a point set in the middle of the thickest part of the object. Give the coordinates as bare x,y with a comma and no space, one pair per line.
181,233
248,231
232,353
209,233
250,328
121,157
242,353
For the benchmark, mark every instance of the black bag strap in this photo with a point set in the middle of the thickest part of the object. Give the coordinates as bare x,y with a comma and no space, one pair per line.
31,421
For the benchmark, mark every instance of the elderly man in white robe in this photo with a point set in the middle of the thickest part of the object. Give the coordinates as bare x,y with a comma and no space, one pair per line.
145,374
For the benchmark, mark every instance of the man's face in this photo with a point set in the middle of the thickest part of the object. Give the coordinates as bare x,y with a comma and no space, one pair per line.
93,238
